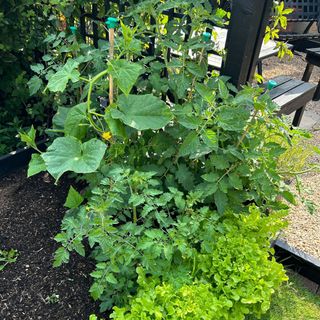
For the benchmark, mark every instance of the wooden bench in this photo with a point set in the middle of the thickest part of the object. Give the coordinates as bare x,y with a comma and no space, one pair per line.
291,95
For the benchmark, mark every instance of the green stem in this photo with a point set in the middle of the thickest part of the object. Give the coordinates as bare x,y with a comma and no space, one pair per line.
228,171
195,78
194,265
135,217
84,79
97,114
297,173
91,83
247,129
89,111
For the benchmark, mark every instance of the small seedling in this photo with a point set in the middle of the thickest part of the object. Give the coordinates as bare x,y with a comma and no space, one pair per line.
54,298
310,205
6,257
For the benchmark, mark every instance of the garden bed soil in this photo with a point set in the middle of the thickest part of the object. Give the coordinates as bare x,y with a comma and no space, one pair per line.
30,213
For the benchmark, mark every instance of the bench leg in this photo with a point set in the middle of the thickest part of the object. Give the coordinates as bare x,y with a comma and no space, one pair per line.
299,113
307,73
259,67
317,93
298,116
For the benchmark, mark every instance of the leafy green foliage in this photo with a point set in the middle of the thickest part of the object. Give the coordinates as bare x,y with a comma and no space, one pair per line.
279,23
233,258
75,123
74,199
69,154
59,80
24,24
142,112
7,257
36,165
293,300
126,73
184,189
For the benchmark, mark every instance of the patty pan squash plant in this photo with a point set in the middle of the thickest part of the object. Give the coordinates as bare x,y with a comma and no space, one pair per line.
184,191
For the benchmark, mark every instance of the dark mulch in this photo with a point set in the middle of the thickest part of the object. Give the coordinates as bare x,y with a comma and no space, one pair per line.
30,215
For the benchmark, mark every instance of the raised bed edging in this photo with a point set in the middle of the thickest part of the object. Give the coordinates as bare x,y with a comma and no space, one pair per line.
296,259
17,159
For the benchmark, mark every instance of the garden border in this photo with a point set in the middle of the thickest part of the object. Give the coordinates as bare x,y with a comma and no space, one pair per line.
296,259
18,158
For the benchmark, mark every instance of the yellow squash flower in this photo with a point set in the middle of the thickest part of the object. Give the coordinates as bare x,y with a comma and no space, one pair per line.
107,135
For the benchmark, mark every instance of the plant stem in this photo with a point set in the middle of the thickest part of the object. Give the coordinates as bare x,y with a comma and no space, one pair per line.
135,217
89,111
247,129
297,173
111,55
84,79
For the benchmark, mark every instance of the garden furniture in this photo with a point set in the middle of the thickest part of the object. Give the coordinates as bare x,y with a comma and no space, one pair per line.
290,94
268,50
313,59
242,57
306,13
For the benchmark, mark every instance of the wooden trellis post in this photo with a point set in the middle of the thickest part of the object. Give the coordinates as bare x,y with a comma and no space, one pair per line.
249,19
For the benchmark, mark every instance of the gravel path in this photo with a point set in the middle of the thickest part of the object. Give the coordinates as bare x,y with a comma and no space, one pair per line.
304,228
303,231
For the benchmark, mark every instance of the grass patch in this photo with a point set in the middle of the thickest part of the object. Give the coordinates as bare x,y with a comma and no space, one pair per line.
294,302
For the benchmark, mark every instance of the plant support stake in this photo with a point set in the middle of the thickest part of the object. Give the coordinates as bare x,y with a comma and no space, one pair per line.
111,23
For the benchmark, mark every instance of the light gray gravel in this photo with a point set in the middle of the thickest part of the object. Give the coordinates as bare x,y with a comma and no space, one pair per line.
303,231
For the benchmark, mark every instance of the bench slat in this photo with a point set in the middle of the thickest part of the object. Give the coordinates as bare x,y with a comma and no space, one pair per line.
295,98
284,87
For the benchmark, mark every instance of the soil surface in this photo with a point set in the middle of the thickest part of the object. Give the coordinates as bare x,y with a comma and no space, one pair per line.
30,215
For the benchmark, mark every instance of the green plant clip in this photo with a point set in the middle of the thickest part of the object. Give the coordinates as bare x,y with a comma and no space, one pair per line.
73,30
271,84
206,36
112,23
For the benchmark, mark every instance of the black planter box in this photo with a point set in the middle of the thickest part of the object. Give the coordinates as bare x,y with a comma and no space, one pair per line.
17,159
297,260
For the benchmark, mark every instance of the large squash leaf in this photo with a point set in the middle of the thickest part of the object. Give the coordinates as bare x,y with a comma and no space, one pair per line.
142,112
126,74
59,118
76,120
36,165
59,80
69,154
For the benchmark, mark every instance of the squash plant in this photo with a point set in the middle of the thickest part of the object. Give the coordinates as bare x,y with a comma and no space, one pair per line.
182,175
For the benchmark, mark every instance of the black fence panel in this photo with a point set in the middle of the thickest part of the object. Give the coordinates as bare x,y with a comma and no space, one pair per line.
306,10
